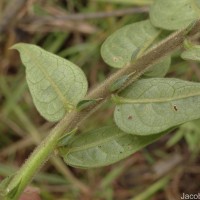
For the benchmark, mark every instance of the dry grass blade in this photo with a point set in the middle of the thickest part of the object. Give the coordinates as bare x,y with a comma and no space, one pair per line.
10,13
98,15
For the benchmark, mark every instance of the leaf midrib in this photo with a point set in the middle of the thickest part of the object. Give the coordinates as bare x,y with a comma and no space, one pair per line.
67,105
75,149
123,100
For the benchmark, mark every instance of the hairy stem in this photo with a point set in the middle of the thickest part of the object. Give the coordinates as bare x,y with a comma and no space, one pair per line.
72,120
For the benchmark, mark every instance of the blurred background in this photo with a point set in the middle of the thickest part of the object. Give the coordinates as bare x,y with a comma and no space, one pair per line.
75,30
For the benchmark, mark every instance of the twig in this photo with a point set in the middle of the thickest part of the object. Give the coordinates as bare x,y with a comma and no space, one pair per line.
12,125
63,21
90,16
27,141
42,25
100,15
10,13
74,119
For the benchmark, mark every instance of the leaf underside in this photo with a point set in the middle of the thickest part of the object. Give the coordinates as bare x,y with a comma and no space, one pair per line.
56,84
192,54
118,48
151,106
103,147
174,14
127,43
160,69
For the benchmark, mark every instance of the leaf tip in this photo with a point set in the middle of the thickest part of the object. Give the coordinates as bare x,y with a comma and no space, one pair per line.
17,46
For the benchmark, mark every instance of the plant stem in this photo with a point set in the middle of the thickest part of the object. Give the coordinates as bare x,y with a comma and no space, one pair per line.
72,120
36,160
34,132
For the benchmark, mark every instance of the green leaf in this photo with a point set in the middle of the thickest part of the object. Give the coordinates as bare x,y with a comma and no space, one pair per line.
174,14
86,103
103,147
4,192
116,85
56,84
160,69
118,49
128,43
192,54
11,194
66,137
150,106
4,183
